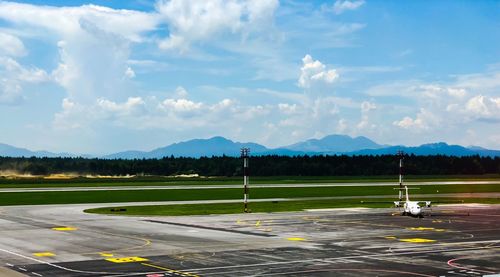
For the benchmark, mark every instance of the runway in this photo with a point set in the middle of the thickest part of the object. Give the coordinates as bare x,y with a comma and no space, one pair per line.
167,186
60,240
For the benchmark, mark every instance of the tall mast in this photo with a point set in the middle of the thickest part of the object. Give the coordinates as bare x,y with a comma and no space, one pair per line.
245,154
401,156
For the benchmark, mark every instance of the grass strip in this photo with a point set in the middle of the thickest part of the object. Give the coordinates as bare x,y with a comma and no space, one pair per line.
73,197
260,207
166,181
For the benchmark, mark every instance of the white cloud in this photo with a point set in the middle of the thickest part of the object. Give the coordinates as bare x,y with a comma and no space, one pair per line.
364,124
181,105
181,92
424,120
132,105
192,21
287,108
315,72
93,42
367,106
68,20
14,76
341,6
483,107
129,72
11,46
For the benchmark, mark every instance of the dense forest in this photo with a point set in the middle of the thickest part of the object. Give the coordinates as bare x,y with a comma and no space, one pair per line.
259,166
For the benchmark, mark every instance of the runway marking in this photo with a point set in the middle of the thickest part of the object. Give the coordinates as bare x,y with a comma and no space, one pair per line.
169,270
146,243
65,228
296,239
344,258
425,229
417,240
127,260
369,270
390,237
453,264
56,266
257,224
44,254
106,254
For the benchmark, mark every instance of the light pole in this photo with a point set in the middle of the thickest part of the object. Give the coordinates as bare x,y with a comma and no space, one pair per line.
401,156
245,152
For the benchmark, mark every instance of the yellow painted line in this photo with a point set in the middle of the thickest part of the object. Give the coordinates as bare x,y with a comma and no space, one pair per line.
169,270
421,228
44,254
296,239
417,240
127,260
390,237
426,229
257,224
437,221
106,254
67,228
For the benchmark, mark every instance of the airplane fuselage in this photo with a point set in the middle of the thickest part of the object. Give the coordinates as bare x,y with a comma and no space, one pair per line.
412,208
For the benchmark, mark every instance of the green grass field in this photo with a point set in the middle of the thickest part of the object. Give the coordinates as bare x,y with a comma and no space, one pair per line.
149,195
166,181
261,207
68,197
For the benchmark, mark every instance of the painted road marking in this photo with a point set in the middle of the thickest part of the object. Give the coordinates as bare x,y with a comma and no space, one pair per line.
390,237
257,224
106,254
65,228
127,260
296,239
417,240
169,270
44,254
425,229
155,275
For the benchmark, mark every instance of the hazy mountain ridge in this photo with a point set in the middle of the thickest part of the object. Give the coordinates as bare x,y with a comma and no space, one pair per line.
218,146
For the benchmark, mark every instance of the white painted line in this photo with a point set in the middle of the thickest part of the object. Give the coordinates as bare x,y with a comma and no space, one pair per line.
22,268
56,266
37,274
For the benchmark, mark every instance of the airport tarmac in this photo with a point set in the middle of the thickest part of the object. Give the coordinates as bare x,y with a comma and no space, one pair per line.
61,240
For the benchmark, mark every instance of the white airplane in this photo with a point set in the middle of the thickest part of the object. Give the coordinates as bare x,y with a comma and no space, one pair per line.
411,208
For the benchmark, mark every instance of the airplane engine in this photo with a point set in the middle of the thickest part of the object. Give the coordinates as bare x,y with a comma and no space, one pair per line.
397,204
428,204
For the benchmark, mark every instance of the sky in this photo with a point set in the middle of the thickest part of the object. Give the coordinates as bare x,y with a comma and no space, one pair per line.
103,76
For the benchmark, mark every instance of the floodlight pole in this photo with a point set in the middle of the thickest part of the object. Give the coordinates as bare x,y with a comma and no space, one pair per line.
401,156
245,152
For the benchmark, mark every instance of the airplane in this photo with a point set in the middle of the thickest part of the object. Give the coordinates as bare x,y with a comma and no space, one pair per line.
411,208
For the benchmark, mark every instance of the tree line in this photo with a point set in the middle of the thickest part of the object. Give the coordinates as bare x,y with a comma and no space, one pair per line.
272,165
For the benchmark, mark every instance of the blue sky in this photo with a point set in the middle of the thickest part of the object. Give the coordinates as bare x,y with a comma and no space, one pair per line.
104,76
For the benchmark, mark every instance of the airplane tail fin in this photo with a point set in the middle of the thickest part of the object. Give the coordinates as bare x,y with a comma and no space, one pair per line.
407,196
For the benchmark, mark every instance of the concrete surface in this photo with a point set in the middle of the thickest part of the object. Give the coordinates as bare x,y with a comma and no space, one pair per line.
61,240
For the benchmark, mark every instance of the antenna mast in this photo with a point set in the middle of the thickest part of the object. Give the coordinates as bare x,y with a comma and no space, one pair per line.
245,152
401,156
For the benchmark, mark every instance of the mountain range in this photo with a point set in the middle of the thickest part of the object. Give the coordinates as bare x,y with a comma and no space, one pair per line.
218,146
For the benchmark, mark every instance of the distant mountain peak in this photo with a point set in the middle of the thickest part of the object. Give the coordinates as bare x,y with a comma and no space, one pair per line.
335,143
218,146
